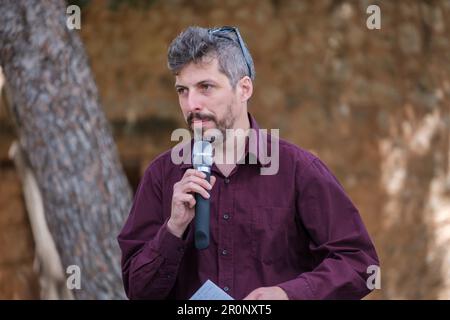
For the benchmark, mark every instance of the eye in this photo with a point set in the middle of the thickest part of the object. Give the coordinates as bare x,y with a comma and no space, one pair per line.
181,90
206,87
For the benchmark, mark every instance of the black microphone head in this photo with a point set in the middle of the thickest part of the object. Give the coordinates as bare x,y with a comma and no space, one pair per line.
202,154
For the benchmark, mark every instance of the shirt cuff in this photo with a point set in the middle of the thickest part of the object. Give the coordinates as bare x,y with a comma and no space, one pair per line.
168,245
298,289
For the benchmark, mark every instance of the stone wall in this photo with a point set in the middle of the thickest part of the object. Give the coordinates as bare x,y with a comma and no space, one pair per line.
373,104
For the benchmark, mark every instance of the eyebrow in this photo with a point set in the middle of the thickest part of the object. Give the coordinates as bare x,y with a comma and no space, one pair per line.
178,86
198,83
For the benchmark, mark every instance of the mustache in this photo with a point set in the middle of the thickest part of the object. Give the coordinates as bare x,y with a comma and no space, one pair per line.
198,116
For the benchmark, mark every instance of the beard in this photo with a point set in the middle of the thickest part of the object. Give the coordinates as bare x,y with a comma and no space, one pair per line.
222,125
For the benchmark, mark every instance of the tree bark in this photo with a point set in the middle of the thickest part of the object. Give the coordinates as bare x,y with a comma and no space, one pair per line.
67,140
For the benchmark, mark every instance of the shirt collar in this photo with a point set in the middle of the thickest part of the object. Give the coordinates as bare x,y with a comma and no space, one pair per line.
260,139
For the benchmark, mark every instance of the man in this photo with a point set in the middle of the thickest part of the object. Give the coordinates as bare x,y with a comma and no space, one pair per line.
290,235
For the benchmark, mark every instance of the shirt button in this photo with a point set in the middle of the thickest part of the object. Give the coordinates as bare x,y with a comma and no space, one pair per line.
227,181
226,217
224,252
226,289
180,249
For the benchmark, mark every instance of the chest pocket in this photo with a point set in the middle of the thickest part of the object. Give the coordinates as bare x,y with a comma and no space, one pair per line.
270,233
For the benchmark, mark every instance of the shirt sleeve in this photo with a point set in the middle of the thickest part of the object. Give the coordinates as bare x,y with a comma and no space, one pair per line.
339,242
151,255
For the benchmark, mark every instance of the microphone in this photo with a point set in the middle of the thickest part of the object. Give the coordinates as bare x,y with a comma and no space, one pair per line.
202,160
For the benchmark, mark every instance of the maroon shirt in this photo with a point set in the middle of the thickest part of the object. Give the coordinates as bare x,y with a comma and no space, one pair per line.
296,229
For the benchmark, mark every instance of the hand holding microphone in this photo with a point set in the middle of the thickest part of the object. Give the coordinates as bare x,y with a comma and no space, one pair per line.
184,202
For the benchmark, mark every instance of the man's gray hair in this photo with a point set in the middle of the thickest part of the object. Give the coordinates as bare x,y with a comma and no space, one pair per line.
196,43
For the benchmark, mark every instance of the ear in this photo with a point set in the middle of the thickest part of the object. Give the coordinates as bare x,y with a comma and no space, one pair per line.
245,86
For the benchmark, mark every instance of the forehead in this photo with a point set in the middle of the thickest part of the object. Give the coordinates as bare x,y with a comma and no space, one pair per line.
206,69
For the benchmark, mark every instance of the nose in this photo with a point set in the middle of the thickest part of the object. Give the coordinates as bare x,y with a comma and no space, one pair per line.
193,102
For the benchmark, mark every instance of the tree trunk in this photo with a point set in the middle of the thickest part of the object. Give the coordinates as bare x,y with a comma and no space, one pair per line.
67,140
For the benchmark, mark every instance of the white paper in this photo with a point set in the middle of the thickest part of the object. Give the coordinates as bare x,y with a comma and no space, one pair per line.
210,291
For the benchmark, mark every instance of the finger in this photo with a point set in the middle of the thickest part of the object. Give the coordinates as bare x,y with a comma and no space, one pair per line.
212,181
181,197
193,187
188,199
256,294
194,172
202,182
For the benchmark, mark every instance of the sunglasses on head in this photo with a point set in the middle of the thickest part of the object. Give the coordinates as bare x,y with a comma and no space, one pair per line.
222,33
